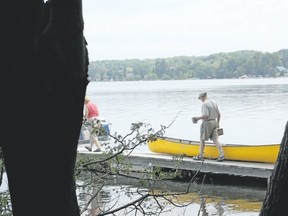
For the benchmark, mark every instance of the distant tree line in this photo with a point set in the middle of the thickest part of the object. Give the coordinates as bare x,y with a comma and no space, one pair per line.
215,66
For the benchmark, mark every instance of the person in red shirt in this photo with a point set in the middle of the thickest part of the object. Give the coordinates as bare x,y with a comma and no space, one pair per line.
94,124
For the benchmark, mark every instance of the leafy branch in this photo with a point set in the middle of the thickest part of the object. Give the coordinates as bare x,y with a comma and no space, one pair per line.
112,166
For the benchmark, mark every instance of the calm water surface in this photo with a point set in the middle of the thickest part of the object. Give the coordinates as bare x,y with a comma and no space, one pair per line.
253,112
203,200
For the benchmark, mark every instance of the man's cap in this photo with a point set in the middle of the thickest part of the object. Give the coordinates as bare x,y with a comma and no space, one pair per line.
202,94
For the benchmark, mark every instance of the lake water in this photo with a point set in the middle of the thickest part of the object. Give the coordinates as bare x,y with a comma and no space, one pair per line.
253,110
213,200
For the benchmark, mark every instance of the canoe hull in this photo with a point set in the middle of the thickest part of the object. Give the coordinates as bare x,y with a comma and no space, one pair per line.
255,153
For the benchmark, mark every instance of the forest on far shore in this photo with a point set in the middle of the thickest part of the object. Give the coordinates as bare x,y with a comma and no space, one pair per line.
216,66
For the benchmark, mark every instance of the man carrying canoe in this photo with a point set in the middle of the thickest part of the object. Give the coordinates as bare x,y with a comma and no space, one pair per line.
210,123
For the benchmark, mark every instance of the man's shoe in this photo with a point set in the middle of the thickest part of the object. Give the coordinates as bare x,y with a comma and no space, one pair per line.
88,148
97,150
198,157
220,159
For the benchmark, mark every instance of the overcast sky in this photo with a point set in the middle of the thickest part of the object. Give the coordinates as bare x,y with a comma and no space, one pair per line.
145,29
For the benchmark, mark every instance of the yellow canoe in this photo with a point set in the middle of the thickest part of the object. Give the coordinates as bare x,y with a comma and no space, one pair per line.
266,153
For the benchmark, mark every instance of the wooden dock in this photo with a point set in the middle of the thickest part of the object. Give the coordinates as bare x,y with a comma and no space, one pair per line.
234,168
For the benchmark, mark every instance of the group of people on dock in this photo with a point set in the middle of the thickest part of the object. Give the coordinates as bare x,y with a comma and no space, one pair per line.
210,116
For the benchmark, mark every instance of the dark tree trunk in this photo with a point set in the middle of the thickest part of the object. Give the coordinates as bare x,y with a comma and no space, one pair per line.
276,202
42,87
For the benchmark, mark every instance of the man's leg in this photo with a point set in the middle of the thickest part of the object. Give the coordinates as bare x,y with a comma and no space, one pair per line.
202,146
219,147
89,148
202,139
96,142
200,156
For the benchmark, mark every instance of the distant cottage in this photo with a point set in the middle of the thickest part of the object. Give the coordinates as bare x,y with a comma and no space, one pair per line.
282,71
244,76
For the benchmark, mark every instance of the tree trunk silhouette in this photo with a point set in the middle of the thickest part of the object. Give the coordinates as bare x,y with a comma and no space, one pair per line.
275,202
43,83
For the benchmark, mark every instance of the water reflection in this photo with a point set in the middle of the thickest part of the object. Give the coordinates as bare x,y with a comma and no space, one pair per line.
203,200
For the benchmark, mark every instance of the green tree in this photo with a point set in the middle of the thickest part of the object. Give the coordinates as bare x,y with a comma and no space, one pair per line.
161,68
283,54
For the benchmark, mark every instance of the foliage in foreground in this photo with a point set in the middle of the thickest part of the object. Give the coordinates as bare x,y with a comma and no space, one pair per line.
151,195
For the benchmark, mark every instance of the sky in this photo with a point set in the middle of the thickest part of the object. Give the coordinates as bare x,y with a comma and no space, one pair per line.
149,29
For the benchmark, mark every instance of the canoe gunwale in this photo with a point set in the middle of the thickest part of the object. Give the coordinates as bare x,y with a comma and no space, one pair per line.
192,142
